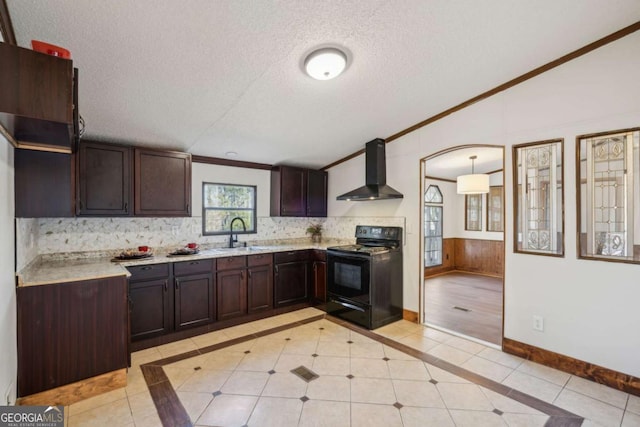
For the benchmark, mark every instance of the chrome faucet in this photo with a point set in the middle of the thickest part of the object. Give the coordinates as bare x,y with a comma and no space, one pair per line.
233,240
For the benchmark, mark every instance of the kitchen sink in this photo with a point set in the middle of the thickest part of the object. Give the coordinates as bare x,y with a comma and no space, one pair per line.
242,249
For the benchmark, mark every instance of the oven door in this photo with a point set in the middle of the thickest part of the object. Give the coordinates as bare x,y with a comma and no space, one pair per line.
348,275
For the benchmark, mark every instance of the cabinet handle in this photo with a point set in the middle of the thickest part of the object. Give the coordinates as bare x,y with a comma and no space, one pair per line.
126,208
315,267
165,286
177,283
147,268
194,263
249,274
242,275
187,207
276,269
81,204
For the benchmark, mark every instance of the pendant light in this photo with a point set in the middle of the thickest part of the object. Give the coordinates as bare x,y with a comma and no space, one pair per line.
475,183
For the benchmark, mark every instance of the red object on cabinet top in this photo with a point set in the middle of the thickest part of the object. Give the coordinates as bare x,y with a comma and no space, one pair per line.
50,49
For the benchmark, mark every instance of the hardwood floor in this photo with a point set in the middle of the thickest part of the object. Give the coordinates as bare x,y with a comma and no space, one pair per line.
478,300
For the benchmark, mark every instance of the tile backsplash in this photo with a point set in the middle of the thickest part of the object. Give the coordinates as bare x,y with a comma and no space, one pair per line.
45,236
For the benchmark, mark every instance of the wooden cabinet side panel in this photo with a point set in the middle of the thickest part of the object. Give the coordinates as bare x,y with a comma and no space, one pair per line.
320,281
69,332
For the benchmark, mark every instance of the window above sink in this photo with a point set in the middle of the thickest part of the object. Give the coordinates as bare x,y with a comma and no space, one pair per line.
223,202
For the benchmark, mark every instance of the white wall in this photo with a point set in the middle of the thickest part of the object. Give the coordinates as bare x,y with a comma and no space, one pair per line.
589,307
8,365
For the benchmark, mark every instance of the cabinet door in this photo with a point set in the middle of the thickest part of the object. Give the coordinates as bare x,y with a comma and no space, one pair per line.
162,183
104,180
231,293
150,308
288,191
320,281
68,332
291,283
44,184
317,193
194,300
260,288
37,96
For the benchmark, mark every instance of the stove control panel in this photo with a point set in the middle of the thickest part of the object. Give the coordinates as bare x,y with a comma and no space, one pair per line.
376,232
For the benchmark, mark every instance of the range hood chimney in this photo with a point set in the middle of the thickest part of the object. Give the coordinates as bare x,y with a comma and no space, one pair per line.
375,187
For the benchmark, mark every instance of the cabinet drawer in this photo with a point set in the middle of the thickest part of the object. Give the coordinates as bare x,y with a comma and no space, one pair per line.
260,259
231,262
291,256
193,267
151,271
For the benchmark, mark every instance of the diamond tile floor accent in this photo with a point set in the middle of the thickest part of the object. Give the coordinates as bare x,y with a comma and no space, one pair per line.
250,383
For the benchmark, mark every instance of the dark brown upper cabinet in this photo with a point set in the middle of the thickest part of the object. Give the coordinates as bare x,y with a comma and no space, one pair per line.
37,99
298,192
105,187
317,193
162,183
44,184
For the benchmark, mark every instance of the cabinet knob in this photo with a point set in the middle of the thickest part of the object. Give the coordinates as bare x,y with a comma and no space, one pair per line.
147,268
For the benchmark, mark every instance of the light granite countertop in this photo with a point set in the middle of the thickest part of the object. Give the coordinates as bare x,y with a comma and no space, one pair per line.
63,270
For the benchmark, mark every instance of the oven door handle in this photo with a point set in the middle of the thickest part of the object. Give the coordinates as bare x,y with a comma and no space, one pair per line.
351,306
353,256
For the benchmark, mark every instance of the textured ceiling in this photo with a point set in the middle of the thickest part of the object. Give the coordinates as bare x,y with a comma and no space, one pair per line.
210,77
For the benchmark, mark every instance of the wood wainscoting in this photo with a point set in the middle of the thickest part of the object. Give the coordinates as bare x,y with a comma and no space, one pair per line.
579,368
470,255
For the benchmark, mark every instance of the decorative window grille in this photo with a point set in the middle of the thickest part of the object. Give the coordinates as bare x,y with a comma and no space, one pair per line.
433,226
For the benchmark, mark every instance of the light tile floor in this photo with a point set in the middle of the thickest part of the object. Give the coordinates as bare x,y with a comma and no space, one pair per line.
361,382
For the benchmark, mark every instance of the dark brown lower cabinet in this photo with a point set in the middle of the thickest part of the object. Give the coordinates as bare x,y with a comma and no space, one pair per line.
291,277
194,300
150,301
150,305
231,293
260,283
69,332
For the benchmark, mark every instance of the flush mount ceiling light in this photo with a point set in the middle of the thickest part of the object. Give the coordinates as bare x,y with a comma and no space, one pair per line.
325,63
475,183
231,154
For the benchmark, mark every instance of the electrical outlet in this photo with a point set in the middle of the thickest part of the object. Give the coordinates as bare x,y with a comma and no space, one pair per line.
538,323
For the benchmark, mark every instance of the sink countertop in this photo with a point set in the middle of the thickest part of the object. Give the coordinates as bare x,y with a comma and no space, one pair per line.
43,272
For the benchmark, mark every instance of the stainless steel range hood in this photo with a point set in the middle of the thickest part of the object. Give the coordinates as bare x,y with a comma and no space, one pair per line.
375,187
